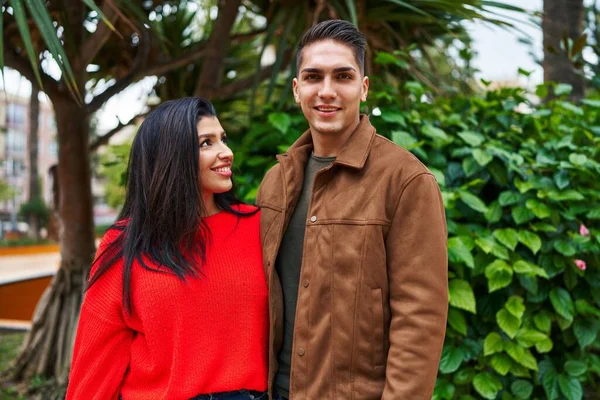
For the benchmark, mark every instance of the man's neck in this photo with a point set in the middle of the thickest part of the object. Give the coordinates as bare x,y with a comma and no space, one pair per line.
329,144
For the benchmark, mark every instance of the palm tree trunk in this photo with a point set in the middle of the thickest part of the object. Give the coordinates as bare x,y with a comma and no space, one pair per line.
48,346
562,17
32,149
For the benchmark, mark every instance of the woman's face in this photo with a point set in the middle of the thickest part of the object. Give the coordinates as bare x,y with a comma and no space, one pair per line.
216,158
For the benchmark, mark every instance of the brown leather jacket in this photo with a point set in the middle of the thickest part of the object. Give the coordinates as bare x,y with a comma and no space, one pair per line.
373,297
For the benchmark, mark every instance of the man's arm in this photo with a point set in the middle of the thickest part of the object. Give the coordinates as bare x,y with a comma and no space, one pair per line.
417,261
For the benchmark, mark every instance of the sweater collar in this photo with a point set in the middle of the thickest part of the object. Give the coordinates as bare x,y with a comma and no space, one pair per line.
353,153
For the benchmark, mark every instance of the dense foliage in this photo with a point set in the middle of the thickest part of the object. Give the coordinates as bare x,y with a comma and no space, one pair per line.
521,186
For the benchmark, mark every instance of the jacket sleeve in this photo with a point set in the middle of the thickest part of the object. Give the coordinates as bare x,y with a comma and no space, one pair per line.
103,340
417,262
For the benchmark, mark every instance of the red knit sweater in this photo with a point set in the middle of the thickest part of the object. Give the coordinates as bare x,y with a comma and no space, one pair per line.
183,338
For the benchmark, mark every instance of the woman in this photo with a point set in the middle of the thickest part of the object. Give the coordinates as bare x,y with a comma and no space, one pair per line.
176,307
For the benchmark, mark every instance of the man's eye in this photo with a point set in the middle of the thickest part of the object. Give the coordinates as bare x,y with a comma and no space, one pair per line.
312,77
345,76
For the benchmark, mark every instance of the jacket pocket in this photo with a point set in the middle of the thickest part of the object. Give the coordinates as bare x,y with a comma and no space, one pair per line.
377,326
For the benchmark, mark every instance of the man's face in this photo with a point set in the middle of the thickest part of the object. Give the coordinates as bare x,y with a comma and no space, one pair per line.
330,87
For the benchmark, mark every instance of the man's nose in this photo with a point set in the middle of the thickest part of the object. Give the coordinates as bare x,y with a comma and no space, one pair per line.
327,90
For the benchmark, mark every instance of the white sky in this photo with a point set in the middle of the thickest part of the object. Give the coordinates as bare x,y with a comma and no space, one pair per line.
499,56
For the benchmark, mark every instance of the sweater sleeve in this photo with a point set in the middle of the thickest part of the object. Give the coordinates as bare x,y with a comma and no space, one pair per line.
102,344
418,272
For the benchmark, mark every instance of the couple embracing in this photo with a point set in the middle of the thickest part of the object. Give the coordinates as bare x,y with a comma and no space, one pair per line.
333,287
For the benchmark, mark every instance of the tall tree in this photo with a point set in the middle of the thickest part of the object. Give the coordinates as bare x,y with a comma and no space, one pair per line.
562,23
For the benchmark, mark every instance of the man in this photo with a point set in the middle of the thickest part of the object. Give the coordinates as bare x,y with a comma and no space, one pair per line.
354,244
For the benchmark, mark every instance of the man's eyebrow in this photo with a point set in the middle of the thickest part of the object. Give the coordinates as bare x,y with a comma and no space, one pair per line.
320,71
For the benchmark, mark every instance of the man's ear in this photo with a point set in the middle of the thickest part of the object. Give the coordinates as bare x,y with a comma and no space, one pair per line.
295,90
364,89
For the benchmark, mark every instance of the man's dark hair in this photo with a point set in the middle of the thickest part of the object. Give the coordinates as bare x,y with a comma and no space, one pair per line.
340,31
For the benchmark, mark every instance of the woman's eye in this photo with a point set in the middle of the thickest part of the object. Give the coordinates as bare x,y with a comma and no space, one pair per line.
205,143
224,139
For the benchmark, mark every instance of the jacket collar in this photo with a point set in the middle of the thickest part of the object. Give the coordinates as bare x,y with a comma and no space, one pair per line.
353,153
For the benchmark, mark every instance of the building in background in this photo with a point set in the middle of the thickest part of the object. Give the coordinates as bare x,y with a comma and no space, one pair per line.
14,161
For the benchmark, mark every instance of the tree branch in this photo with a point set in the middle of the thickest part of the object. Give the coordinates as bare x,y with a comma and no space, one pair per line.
170,65
96,41
217,47
242,84
244,37
132,76
102,140
18,63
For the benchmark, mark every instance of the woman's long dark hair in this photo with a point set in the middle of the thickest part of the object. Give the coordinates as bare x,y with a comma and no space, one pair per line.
161,218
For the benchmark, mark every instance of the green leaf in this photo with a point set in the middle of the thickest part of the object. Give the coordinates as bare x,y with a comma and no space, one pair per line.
434,132
451,359
509,198
562,89
458,252
578,159
487,385
94,7
530,337
521,389
564,247
530,240
521,214
21,20
538,208
457,321
521,355
499,275
515,306
472,138
575,368
543,321
443,390
591,102
508,322
550,381
562,303
393,117
507,237
461,295
585,308
404,139
570,387
44,23
585,331
485,243
570,107
494,212
527,268
281,121
472,201
493,343
482,157
501,363
544,346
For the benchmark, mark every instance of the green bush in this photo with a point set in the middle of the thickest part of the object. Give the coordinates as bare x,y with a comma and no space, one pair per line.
521,186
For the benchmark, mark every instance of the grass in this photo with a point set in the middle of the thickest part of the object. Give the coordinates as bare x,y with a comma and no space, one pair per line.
10,343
